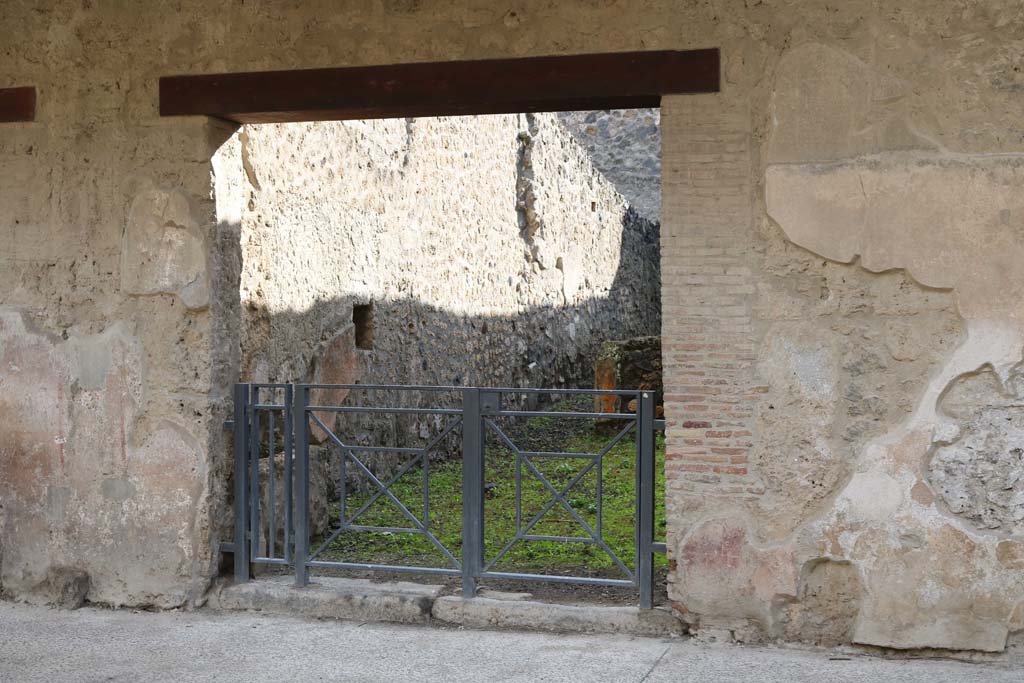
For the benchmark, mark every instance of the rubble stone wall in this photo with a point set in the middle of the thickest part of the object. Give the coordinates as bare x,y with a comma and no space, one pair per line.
491,250
625,145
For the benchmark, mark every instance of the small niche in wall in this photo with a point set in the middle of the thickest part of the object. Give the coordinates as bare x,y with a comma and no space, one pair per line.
362,318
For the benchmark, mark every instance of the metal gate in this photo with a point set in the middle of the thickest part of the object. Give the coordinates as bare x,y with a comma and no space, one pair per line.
272,416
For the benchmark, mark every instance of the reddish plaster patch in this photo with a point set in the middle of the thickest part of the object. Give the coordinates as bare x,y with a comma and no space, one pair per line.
606,378
715,546
922,494
776,573
336,365
1010,554
32,375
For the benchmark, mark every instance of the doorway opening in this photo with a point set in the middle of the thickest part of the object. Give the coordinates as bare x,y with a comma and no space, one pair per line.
531,85
490,251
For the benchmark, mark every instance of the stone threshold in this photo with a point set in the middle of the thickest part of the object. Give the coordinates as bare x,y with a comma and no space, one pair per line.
416,603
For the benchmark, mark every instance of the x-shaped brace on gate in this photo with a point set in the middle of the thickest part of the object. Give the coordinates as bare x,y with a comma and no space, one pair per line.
558,496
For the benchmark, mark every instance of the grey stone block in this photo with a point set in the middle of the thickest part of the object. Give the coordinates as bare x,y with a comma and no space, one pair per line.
531,615
331,598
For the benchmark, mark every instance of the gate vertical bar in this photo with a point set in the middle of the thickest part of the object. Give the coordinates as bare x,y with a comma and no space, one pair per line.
272,500
254,472
289,488
241,431
472,491
300,423
645,501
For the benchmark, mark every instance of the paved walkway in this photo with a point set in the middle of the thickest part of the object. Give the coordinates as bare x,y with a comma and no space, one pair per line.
39,644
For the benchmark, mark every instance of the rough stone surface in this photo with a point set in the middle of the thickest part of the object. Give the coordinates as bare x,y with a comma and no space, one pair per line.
427,220
628,364
163,250
625,145
88,476
332,598
948,220
481,612
978,470
65,587
827,605
406,602
815,330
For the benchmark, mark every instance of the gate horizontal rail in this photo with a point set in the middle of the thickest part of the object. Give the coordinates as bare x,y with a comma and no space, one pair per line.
265,424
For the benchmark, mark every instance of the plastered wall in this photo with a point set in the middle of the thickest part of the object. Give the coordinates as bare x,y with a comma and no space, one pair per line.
841,234
846,464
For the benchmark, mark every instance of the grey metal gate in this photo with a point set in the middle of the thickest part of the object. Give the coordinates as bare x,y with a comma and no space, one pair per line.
261,411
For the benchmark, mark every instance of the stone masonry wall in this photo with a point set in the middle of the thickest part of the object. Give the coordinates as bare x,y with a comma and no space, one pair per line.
491,235
842,283
625,145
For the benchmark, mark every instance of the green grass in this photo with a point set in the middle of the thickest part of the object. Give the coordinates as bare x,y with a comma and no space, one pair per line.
445,520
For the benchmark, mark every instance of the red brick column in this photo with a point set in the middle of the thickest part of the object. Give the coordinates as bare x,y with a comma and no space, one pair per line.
708,265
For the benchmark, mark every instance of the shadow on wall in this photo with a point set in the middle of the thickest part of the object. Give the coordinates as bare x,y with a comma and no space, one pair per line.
467,251
414,342
490,248
409,341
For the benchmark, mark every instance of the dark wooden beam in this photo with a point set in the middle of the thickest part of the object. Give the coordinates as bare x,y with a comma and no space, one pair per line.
17,104
491,86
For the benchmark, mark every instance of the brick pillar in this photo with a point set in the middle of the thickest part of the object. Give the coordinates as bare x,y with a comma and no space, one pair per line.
708,285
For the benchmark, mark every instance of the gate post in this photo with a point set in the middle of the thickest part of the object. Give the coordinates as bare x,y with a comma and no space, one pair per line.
472,491
241,434
300,423
645,500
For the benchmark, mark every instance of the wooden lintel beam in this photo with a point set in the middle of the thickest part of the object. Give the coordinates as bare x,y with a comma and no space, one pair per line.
492,86
17,104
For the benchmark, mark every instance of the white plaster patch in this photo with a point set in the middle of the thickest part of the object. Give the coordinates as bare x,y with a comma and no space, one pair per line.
812,368
872,496
163,250
802,360
950,221
828,104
